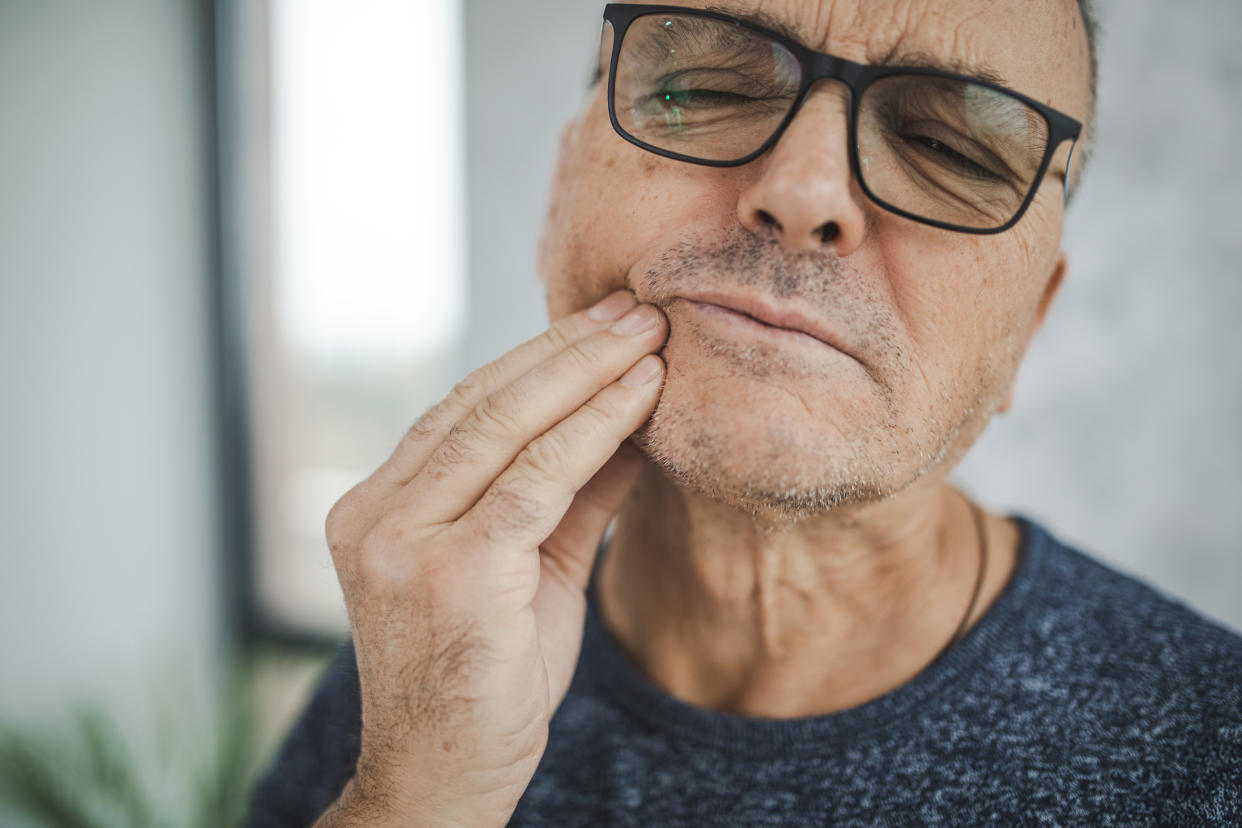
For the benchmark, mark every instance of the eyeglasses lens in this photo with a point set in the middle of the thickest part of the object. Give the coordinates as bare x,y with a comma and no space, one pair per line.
948,150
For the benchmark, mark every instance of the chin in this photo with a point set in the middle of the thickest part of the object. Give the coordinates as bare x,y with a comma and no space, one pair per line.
767,455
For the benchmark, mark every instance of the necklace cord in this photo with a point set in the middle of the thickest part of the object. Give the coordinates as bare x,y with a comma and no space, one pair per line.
981,532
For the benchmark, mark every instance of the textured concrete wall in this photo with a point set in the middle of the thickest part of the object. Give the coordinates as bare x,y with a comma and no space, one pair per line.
1125,430
1124,434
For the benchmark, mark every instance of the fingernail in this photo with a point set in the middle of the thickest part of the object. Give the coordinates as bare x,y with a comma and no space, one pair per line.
643,372
613,307
642,318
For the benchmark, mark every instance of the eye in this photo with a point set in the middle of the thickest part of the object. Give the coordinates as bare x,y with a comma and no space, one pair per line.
945,155
690,98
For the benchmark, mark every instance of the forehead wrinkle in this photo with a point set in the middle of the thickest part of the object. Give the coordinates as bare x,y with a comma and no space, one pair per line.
961,58
826,20
756,15
811,30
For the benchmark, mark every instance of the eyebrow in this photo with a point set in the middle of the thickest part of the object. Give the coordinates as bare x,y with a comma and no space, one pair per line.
905,60
954,66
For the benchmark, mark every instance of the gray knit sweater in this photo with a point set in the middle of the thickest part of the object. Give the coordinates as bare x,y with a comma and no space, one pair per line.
1082,697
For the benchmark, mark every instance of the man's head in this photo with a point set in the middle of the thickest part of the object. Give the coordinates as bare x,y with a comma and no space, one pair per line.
926,326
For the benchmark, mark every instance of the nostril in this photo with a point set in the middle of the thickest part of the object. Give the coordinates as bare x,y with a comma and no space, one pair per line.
829,232
768,219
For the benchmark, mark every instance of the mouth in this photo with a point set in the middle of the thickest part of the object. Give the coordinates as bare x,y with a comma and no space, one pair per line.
758,316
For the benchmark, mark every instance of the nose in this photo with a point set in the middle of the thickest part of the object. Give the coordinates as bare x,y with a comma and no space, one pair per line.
804,191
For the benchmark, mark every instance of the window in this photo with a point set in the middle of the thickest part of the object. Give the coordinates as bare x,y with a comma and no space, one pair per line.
348,159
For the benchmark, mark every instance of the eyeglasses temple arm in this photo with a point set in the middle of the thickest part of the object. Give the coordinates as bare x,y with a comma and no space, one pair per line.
1069,165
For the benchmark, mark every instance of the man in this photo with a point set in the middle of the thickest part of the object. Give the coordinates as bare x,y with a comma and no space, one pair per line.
795,254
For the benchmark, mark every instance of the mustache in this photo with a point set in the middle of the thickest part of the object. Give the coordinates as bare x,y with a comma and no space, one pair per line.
760,264
755,261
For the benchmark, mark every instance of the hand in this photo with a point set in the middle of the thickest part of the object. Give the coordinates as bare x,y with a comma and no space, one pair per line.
464,559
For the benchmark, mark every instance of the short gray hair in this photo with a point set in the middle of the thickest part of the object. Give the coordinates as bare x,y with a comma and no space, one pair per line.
1091,25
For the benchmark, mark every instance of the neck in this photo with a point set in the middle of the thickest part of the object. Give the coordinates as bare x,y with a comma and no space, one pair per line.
801,620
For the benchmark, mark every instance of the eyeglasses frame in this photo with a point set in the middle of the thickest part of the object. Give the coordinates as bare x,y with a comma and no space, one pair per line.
856,77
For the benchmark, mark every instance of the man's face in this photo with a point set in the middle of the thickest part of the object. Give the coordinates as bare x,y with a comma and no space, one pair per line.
927,325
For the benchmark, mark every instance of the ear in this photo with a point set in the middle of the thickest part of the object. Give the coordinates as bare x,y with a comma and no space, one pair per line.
1050,291
1041,312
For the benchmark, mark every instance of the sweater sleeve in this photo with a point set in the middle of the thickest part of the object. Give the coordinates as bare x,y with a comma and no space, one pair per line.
318,756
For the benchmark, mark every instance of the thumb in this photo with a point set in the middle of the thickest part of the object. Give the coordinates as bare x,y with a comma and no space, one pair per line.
566,558
572,546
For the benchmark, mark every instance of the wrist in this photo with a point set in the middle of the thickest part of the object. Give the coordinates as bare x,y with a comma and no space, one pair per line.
361,806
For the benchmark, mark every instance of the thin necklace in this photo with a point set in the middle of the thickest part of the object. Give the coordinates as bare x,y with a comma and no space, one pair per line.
974,595
975,511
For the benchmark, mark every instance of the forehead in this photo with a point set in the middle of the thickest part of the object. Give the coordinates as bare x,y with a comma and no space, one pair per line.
1037,47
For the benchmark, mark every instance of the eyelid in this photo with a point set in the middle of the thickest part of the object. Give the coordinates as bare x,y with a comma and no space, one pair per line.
951,151
991,157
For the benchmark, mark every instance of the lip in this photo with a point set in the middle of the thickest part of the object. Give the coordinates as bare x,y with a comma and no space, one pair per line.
774,315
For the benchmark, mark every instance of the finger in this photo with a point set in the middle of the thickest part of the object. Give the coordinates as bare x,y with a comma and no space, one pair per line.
478,449
359,508
424,435
523,505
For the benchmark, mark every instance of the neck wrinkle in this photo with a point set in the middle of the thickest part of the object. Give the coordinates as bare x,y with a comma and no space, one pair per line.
812,618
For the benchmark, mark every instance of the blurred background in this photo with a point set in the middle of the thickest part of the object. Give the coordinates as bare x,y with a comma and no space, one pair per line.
244,245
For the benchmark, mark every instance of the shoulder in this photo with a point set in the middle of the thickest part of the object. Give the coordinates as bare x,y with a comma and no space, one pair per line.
1153,687
318,756
1128,622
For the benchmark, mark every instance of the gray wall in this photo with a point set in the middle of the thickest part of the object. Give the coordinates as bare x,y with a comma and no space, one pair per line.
1124,434
527,68
107,523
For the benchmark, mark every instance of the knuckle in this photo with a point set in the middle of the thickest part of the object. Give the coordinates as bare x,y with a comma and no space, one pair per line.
425,425
463,392
558,336
340,526
497,414
510,509
548,458
474,386
596,418
382,560
456,450
584,355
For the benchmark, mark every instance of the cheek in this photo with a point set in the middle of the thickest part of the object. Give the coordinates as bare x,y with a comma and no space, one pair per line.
938,282
616,206
968,302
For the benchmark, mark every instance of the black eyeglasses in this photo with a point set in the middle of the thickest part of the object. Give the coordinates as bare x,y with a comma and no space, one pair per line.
947,150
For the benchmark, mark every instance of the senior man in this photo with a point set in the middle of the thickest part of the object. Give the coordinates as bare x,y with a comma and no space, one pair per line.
795,254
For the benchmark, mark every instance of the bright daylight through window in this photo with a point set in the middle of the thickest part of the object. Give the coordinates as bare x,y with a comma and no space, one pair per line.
360,328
